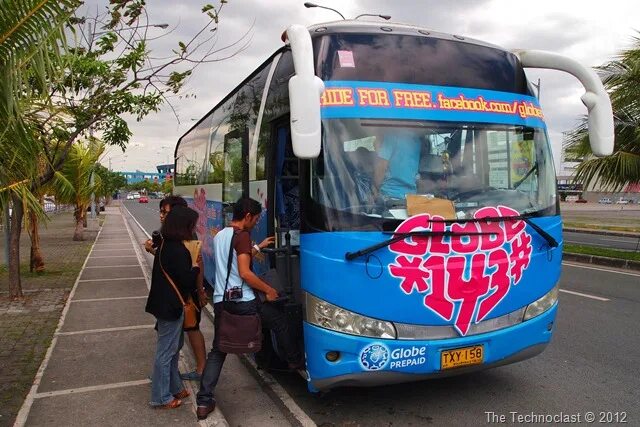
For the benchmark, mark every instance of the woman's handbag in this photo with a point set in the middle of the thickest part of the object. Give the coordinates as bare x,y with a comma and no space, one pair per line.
237,333
191,309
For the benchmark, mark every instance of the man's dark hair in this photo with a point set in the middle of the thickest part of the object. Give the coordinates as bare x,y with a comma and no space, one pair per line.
173,201
179,223
244,206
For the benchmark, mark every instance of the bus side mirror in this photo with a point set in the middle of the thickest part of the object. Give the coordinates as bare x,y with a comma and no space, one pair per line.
305,89
304,104
596,98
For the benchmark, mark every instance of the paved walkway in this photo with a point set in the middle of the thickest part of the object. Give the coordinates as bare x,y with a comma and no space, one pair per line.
96,369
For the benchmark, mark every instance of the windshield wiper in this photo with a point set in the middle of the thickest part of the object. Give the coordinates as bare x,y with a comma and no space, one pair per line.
350,256
546,236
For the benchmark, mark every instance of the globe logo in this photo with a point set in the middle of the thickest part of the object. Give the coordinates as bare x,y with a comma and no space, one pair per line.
374,357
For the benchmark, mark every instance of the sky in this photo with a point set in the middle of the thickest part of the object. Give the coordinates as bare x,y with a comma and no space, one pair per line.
590,32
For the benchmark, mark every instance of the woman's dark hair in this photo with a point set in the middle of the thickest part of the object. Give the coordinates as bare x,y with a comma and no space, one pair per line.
244,206
179,223
173,201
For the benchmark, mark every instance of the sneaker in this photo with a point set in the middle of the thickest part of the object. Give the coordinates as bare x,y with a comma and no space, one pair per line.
190,376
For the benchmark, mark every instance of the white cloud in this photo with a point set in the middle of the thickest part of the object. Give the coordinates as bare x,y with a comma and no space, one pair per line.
590,32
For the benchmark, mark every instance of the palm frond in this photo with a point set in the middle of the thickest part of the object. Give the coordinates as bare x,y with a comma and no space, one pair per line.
621,77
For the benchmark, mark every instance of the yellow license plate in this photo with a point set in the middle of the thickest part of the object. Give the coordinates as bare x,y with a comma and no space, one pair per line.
458,357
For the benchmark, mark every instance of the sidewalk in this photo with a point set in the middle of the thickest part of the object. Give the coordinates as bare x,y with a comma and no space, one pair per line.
96,369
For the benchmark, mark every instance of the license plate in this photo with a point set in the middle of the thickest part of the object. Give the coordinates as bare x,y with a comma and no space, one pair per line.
458,357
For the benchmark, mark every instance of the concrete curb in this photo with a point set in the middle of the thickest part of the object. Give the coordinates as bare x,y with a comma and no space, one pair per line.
601,232
601,260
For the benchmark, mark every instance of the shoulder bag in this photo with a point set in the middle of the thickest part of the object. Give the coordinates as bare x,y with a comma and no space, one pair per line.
190,308
237,333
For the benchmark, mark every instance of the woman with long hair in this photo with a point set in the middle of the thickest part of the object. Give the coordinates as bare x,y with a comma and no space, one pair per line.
173,262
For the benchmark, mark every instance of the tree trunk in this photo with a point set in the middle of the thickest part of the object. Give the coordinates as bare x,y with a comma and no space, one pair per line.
37,261
15,285
78,234
84,218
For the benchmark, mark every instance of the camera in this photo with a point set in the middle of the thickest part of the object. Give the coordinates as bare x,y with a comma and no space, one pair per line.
156,239
233,293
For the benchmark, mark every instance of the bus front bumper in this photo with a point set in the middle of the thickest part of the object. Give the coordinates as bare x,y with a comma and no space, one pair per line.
364,361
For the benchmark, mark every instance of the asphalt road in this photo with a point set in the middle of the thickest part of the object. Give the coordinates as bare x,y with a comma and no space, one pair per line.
590,367
603,241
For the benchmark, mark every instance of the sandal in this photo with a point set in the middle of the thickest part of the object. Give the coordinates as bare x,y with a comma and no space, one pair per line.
183,394
171,405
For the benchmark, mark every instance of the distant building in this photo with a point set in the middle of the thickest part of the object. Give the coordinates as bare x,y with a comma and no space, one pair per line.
568,187
139,176
167,171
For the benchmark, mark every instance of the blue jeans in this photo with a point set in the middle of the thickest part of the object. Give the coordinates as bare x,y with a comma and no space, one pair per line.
165,381
272,319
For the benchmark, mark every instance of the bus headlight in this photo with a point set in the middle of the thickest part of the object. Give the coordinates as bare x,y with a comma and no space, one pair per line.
543,304
329,316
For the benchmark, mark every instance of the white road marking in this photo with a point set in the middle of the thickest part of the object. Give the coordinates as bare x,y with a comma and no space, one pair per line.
95,331
90,388
600,269
107,299
113,256
110,280
108,250
112,266
584,295
628,240
587,243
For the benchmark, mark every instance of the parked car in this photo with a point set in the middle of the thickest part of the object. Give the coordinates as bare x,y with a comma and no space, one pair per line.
129,196
143,199
581,201
622,201
571,199
605,201
136,195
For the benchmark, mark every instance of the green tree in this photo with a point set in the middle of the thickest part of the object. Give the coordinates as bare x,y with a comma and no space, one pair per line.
111,181
167,187
32,41
621,78
68,94
75,181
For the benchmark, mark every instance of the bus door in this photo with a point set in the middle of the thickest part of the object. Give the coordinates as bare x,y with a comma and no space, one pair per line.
285,261
286,209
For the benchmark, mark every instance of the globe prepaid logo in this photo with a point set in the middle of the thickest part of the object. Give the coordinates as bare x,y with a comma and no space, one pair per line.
376,356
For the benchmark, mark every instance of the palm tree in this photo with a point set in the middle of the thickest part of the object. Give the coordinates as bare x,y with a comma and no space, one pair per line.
73,184
31,35
621,77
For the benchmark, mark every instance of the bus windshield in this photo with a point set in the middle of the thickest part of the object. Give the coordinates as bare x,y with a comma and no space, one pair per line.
369,166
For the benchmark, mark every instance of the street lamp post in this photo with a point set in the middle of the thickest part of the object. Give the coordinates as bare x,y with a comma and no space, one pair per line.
309,5
385,17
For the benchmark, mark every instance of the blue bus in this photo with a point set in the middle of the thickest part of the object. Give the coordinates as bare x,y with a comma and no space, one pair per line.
409,180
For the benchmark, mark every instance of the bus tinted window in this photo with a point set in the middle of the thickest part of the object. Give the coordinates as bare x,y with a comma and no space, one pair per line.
219,128
420,60
191,160
277,106
245,114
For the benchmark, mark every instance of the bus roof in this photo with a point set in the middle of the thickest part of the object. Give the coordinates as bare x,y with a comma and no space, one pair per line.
376,27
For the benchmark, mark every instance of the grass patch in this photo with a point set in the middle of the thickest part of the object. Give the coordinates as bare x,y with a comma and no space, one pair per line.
601,227
611,253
